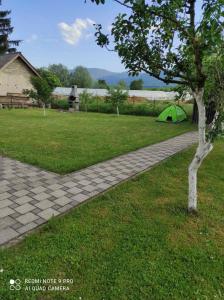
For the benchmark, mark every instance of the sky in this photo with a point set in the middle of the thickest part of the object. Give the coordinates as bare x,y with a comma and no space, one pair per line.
61,31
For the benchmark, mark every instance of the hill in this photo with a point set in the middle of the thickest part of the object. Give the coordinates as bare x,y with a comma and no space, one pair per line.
114,78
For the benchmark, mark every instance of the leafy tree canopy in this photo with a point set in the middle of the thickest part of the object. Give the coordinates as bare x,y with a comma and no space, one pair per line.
6,45
42,91
163,38
122,84
136,85
52,79
101,84
81,77
171,40
62,73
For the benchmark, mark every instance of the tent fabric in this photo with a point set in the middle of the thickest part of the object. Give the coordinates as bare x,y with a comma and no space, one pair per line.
173,113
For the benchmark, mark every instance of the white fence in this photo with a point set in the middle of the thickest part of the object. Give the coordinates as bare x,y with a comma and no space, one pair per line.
150,95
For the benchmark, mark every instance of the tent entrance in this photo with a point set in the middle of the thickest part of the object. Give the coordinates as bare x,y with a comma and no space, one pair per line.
169,119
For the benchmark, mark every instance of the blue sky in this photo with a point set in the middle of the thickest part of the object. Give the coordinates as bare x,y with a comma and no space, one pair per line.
61,31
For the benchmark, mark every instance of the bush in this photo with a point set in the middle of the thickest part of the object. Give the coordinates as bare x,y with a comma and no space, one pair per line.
144,109
60,104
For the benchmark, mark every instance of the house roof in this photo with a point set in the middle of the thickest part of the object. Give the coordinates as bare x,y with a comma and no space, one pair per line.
6,59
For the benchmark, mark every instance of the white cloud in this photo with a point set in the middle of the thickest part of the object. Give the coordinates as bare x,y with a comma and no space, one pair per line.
74,32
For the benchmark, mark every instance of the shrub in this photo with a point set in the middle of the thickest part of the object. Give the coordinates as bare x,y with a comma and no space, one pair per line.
117,97
60,104
84,99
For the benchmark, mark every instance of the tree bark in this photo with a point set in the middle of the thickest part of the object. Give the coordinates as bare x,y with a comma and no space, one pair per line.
118,113
203,149
44,109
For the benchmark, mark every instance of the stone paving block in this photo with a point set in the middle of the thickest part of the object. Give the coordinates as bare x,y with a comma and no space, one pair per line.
84,182
38,190
15,215
4,182
62,201
110,178
89,188
40,221
44,204
56,207
74,190
4,203
5,195
70,184
24,208
55,186
78,177
6,222
36,211
103,186
7,234
27,218
21,193
80,197
16,225
41,196
23,199
68,206
58,193
27,227
19,187
48,213
92,176
98,180
4,188
6,211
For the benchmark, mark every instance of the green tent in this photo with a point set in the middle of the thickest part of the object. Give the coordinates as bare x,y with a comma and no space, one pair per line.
173,113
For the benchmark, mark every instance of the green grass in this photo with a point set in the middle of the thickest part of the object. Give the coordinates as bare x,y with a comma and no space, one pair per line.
134,242
63,142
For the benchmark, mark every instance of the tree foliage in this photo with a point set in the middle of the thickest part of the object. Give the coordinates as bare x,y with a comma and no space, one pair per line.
170,40
164,40
122,84
81,77
214,93
41,92
62,73
6,45
51,78
101,84
85,98
117,96
136,84
43,86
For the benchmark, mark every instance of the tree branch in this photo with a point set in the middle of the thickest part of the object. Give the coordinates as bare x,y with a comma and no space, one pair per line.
122,3
163,79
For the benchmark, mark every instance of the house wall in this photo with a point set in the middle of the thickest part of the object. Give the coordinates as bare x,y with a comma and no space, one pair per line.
15,78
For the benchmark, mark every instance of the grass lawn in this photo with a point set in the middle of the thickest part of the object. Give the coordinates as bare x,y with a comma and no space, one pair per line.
135,242
63,142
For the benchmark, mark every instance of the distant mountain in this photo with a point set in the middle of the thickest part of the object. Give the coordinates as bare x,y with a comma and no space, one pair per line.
114,78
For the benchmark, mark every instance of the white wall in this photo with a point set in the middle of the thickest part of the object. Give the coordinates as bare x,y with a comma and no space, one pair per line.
15,78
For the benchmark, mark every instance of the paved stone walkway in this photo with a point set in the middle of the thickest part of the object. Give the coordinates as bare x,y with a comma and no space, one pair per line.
30,196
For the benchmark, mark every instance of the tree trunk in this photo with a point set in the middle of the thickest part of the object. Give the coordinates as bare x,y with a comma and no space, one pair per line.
203,150
118,111
210,112
44,110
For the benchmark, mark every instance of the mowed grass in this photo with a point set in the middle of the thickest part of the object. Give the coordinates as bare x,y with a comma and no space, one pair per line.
64,142
134,242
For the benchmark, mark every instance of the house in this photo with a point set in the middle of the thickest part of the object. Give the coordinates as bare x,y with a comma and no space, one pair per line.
15,76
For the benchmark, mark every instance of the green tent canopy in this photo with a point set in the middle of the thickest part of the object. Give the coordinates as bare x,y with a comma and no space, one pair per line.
173,113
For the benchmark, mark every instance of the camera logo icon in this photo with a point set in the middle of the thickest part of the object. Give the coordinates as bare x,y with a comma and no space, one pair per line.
15,284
